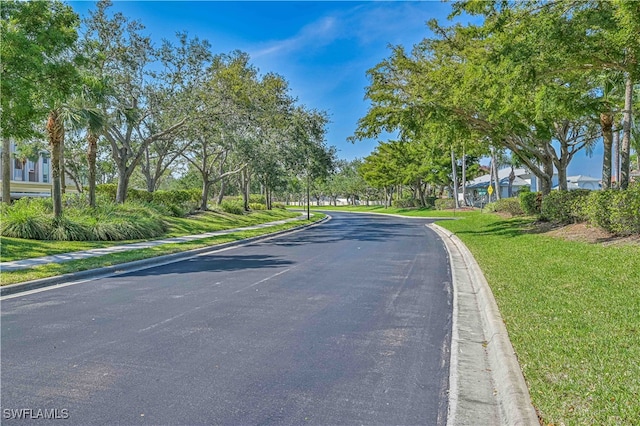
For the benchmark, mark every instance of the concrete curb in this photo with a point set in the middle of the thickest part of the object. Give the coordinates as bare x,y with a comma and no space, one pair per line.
512,401
136,265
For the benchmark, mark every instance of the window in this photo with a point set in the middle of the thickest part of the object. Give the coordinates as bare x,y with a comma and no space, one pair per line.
45,169
17,169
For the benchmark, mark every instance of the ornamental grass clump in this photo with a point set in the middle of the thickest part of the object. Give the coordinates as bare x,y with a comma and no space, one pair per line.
33,219
26,218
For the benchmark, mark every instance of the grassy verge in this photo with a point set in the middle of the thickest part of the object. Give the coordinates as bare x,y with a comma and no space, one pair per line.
18,248
572,310
50,270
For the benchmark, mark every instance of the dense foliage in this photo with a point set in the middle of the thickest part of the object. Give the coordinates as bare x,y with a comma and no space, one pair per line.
541,80
34,219
148,115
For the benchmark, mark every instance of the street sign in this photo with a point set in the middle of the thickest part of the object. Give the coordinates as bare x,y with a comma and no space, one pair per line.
490,190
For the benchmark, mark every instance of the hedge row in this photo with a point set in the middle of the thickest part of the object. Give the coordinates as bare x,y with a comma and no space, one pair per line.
613,210
171,203
413,202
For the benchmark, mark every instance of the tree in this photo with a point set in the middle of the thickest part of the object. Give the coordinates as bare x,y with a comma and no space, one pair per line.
39,70
140,96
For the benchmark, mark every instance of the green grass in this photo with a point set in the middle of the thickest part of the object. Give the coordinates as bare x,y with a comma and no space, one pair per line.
50,270
17,248
572,311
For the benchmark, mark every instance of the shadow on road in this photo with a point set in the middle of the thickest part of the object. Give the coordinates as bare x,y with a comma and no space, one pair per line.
215,263
352,229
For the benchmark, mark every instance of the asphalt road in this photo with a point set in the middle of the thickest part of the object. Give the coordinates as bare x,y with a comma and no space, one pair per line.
344,323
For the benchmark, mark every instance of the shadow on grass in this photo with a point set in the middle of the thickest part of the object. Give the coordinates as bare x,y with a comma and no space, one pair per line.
507,228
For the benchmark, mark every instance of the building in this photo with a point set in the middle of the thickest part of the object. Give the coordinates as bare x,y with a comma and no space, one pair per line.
30,178
477,190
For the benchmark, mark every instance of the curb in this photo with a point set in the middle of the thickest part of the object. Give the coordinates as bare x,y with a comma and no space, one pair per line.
512,399
136,265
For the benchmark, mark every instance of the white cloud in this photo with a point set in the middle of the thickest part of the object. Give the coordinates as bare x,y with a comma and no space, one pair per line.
318,33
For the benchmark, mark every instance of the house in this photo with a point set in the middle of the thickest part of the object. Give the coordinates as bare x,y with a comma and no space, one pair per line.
582,182
477,190
30,178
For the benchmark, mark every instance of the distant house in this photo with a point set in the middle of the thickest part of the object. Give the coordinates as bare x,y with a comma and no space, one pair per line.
477,190
30,178
582,182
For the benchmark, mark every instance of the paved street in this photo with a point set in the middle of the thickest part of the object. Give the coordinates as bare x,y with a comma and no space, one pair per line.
344,323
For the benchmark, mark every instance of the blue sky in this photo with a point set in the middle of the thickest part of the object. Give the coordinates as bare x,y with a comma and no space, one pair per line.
322,48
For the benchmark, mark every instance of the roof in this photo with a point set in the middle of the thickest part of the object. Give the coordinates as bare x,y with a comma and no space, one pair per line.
522,176
582,178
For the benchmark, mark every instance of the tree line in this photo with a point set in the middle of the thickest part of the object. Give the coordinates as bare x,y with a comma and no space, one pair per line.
101,89
542,80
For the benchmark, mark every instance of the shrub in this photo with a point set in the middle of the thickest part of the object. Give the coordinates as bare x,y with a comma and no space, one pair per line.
444,203
430,201
33,219
232,206
66,228
278,206
406,203
491,207
530,202
563,206
26,218
257,206
108,190
598,208
257,198
616,211
509,205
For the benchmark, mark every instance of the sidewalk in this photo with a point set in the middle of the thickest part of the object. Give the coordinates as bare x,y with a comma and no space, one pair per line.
85,254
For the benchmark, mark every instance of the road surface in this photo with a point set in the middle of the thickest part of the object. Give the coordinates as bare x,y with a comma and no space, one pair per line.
344,323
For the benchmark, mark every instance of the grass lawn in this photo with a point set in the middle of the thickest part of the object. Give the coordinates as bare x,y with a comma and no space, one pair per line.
572,310
202,223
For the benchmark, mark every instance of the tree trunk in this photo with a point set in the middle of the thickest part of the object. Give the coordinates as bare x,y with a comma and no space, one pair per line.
6,171
606,122
246,185
55,131
546,179
512,177
496,176
626,134
205,193
454,174
92,150
616,155
464,178
562,176
223,187
123,184
63,174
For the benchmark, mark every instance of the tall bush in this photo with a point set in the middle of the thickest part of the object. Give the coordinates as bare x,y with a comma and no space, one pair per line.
530,202
616,211
564,206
